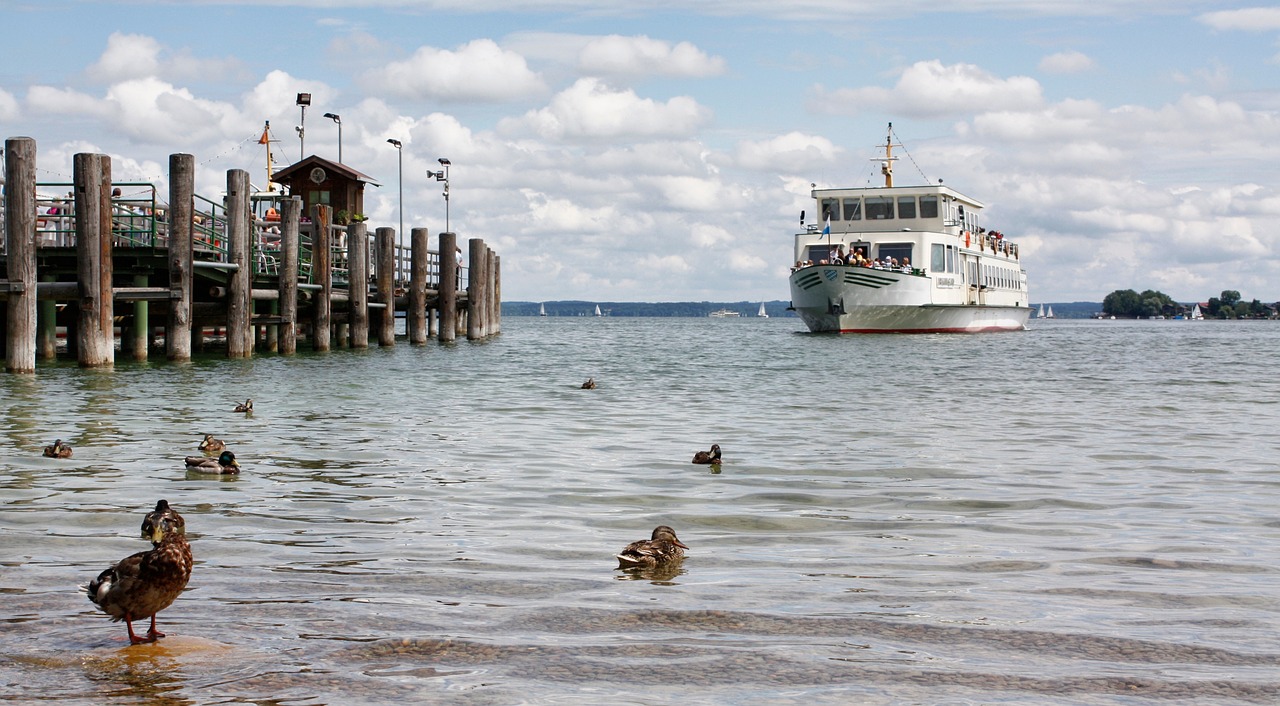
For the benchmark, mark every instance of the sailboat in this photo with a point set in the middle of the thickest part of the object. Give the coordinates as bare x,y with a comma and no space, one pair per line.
762,314
1050,314
598,310
542,310
1041,314
1196,314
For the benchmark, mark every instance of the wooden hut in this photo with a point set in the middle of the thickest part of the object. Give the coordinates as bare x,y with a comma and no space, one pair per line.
321,182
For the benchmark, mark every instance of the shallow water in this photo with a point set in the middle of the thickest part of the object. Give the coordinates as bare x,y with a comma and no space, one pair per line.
1084,512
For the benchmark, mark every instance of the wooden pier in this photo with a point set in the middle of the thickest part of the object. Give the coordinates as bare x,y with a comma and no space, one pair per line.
120,273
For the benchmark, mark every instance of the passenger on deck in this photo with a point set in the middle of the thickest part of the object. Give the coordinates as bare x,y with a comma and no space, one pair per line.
906,264
272,214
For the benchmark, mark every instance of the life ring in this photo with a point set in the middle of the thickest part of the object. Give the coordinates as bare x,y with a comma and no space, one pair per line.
966,238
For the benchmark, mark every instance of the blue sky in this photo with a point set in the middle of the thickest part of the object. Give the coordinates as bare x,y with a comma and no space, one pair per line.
659,151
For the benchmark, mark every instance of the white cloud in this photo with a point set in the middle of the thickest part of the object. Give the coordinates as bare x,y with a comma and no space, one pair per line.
1067,62
793,152
591,109
9,110
479,70
929,89
636,56
127,56
1250,19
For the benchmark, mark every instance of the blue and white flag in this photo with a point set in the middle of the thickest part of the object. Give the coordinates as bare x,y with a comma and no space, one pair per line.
827,229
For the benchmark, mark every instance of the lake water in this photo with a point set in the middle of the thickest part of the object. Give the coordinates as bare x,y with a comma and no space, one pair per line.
1084,512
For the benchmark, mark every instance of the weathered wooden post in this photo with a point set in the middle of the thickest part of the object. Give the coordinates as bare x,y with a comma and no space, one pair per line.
177,329
20,246
386,275
358,278
322,273
448,296
240,284
495,296
290,217
415,320
141,344
476,289
91,174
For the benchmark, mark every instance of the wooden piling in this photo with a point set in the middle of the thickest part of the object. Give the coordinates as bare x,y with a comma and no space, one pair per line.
141,330
386,276
182,181
416,310
495,295
290,217
475,289
448,294
20,247
47,324
321,274
240,284
358,279
91,175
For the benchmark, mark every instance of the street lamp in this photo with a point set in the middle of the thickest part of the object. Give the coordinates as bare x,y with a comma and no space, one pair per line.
304,100
443,175
400,178
337,119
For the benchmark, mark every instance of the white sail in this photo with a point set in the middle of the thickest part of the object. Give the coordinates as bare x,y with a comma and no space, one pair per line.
542,310
598,310
1050,314
1041,314
763,314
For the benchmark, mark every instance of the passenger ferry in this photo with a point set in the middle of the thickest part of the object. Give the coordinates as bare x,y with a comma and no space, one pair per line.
913,259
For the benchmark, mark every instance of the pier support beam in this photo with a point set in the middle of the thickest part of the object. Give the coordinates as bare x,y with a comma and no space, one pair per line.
416,310
477,292
91,175
290,217
47,325
358,282
386,275
177,330
448,297
141,330
495,293
321,274
240,285
20,247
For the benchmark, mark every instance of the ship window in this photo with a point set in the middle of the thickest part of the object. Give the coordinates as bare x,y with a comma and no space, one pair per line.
928,206
898,250
830,209
879,208
906,207
938,258
818,253
853,209
951,258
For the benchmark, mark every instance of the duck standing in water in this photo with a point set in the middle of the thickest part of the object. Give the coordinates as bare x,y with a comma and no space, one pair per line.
225,463
705,457
590,384
212,445
246,406
58,450
139,586
662,547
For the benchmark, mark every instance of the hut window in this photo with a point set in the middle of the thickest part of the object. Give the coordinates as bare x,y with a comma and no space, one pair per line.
319,197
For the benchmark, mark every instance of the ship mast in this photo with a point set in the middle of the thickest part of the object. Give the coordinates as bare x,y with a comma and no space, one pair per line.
266,141
886,165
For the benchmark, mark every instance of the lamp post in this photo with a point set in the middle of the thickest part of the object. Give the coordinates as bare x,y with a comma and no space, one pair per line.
443,175
337,119
400,178
304,100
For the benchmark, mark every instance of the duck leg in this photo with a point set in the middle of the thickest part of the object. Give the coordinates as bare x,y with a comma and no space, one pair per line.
152,634
133,639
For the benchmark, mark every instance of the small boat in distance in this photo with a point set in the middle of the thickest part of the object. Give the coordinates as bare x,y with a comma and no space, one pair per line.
762,313
905,259
542,310
724,314
598,310
1196,314
1041,314
1050,314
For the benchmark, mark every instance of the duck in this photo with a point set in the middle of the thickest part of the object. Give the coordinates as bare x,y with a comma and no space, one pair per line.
662,547
590,384
712,456
246,406
58,450
211,444
225,463
143,584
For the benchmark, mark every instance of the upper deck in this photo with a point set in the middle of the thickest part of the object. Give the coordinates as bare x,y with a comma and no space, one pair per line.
934,208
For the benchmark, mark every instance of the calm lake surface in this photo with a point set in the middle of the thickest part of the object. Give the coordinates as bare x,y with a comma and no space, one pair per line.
1084,512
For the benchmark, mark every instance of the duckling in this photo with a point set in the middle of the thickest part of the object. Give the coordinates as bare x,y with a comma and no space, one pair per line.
590,384
212,445
226,463
661,548
712,457
141,585
246,406
58,450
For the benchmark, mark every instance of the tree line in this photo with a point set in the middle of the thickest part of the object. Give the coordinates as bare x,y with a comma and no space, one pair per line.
1130,304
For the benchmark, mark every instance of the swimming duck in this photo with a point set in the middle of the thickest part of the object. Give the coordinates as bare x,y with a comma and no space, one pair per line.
211,444
246,406
590,384
141,585
661,548
705,457
226,463
58,450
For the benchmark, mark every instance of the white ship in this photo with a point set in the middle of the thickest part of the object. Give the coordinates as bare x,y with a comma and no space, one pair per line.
905,259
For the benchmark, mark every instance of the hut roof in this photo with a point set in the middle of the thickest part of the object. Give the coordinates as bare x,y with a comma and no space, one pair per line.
313,161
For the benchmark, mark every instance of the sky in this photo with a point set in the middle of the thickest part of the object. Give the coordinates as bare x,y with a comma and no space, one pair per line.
662,150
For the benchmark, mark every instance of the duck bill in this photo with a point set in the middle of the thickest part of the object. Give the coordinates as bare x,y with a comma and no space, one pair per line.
680,544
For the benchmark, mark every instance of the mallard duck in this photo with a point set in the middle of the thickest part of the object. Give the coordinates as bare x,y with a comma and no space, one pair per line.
211,444
590,384
246,406
58,450
141,585
662,547
226,463
712,456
